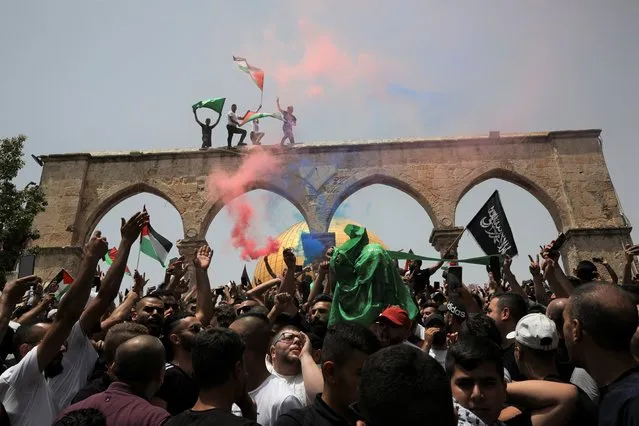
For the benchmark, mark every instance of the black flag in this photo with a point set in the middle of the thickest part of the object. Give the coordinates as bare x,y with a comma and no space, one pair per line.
491,229
245,280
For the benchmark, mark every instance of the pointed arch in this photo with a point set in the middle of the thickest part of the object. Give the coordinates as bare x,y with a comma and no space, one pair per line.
386,180
117,197
212,208
536,190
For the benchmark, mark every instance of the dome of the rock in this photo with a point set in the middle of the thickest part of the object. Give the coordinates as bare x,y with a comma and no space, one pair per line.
292,238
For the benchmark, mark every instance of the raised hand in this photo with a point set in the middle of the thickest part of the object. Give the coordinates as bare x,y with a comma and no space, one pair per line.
130,230
323,267
139,282
97,247
203,257
177,268
535,268
15,290
282,299
289,258
506,269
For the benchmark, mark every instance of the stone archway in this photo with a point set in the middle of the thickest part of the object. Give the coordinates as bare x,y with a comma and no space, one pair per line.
566,171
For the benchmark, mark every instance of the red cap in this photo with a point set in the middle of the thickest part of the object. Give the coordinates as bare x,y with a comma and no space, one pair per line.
397,316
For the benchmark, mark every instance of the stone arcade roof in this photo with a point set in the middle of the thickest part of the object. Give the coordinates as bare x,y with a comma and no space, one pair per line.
347,144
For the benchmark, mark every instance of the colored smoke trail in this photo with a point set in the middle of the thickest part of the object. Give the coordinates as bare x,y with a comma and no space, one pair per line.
258,165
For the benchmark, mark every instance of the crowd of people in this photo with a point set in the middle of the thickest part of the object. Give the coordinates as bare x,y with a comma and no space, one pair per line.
556,350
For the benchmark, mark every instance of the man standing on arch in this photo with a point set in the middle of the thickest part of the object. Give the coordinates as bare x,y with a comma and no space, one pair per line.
207,129
232,127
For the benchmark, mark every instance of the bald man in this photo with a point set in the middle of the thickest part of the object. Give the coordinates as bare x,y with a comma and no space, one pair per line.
139,370
599,323
567,370
272,395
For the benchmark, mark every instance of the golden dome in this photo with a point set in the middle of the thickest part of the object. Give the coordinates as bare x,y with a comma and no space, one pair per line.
292,238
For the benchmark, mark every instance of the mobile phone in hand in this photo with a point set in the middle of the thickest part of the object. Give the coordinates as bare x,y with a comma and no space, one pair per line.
597,259
454,278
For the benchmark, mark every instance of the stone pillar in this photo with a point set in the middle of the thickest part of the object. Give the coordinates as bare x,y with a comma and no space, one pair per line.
586,243
49,261
443,238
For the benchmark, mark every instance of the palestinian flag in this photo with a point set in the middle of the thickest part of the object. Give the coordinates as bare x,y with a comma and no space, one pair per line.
250,116
154,245
256,74
60,284
109,258
216,104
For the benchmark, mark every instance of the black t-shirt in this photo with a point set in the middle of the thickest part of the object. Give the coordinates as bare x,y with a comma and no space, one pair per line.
318,414
619,401
179,390
586,411
511,365
213,417
421,279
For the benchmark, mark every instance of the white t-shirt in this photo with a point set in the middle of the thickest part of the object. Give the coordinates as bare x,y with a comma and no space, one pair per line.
25,394
439,355
273,398
232,119
295,382
256,126
78,362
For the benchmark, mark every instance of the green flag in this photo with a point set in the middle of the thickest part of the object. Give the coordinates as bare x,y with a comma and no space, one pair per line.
216,104
367,281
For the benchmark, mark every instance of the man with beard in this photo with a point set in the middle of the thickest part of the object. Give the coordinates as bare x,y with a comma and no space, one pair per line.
393,326
566,369
435,338
599,322
319,313
179,391
149,312
288,348
24,391
346,348
506,310
272,395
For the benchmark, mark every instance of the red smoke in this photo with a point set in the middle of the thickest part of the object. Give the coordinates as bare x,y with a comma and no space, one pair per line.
258,165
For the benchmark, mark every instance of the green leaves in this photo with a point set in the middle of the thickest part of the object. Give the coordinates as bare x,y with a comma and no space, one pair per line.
18,207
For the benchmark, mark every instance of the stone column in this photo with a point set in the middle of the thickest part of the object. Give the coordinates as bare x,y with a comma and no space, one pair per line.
443,238
586,243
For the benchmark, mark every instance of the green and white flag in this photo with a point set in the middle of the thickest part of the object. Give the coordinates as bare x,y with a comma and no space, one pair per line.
216,104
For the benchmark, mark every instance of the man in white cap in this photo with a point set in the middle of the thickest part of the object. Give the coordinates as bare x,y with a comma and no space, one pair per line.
536,342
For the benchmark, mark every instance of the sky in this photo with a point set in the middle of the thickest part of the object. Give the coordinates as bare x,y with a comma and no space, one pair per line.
94,75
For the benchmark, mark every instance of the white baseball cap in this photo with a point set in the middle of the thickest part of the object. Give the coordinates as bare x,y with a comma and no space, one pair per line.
536,331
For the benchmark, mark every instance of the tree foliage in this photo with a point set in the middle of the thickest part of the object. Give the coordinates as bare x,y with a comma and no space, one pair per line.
18,207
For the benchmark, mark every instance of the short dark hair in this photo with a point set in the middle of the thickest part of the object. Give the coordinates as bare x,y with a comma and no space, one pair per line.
170,324
343,338
119,334
224,315
322,298
395,383
82,417
515,304
215,353
148,296
162,293
480,325
25,334
470,352
606,314
586,271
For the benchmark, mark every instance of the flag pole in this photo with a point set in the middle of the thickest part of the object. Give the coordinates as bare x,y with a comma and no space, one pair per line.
456,240
137,265
261,96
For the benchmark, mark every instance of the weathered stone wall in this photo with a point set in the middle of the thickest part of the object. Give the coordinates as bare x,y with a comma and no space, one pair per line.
565,171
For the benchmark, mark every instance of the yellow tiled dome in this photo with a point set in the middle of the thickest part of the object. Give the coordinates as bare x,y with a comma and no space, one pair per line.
291,238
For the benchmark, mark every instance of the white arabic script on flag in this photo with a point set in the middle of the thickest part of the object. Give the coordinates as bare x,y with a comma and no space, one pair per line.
492,227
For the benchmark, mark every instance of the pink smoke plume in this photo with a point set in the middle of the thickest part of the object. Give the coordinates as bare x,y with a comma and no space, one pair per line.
230,187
